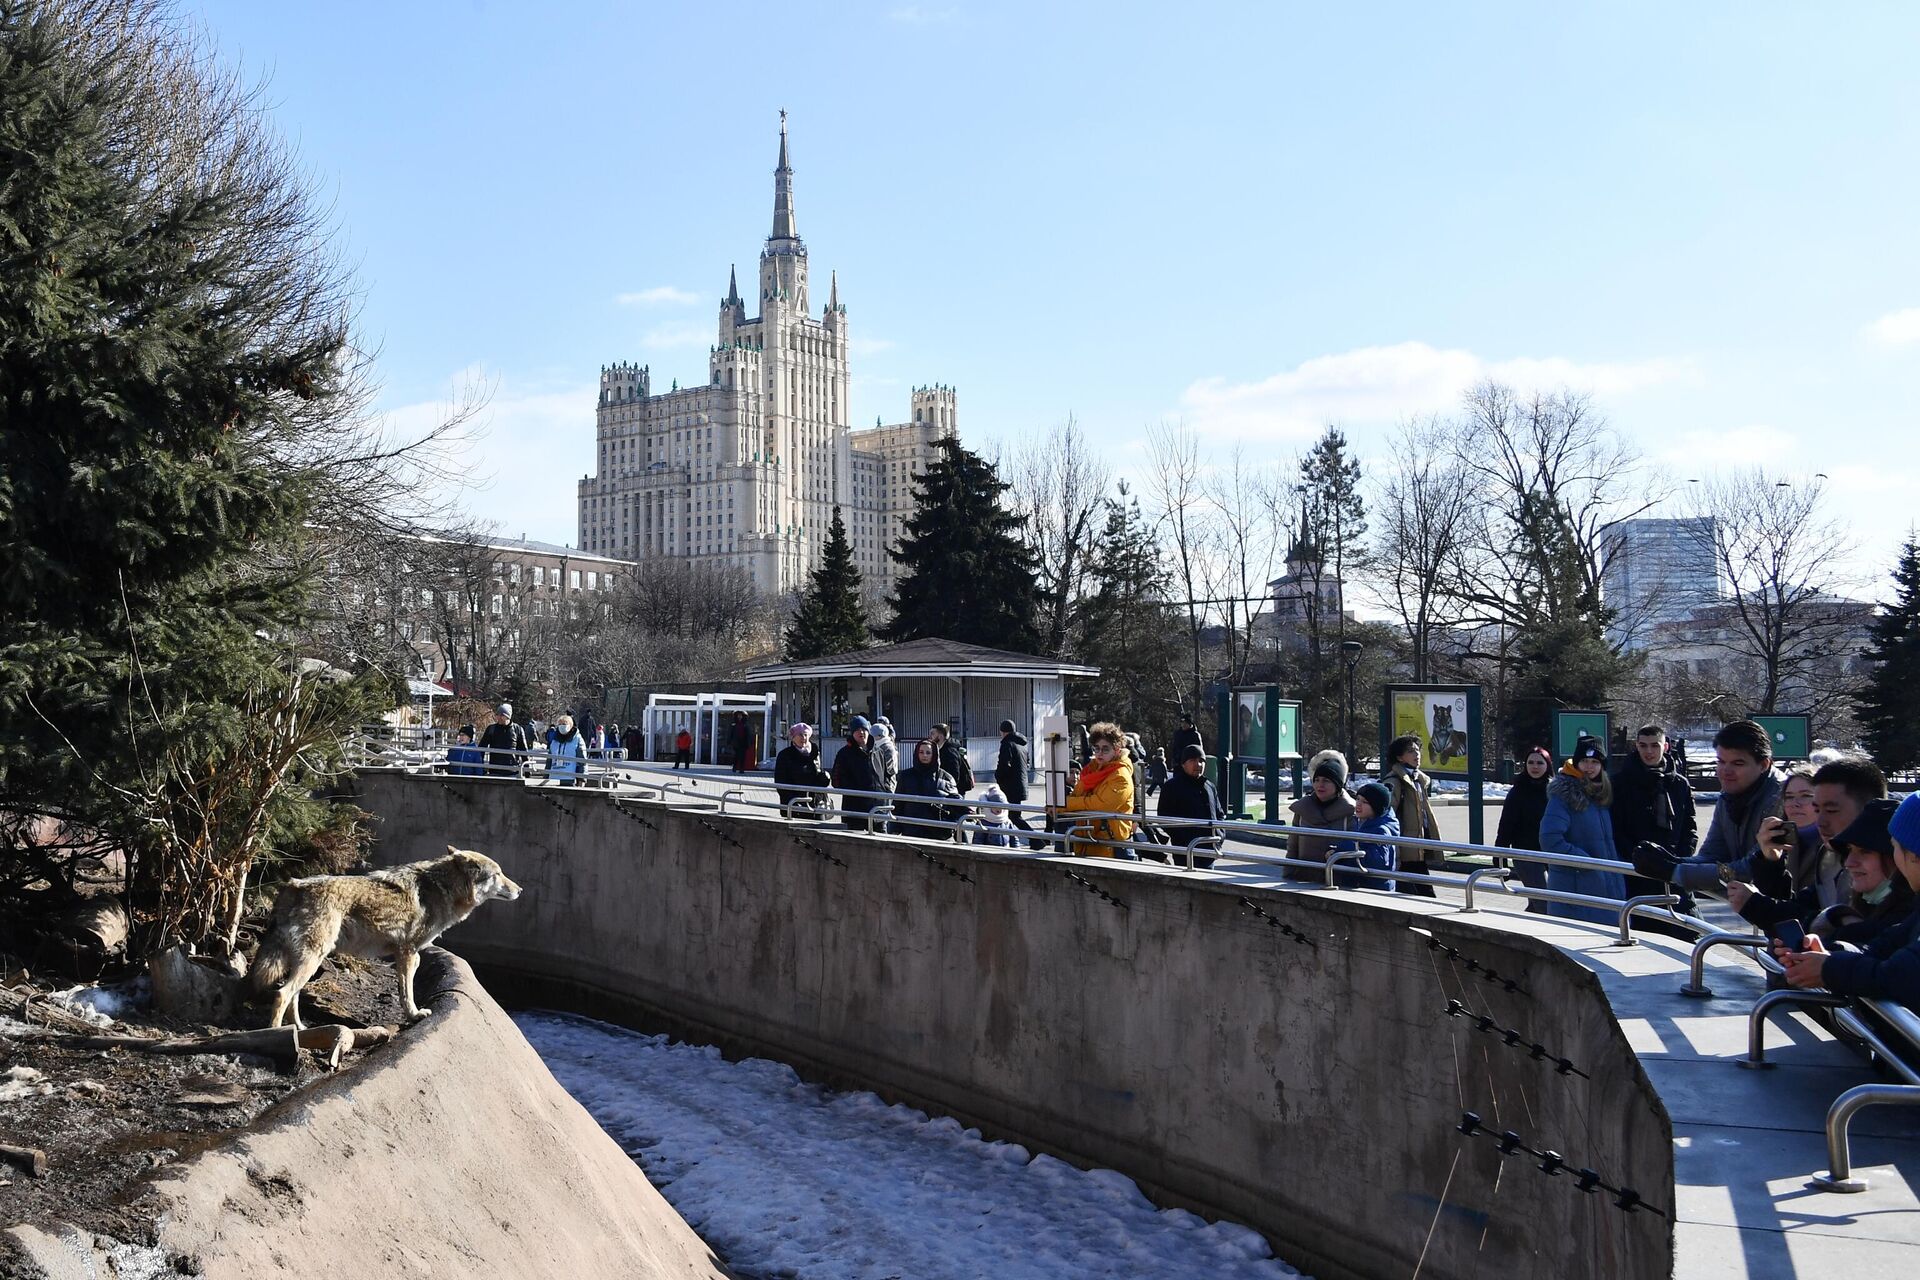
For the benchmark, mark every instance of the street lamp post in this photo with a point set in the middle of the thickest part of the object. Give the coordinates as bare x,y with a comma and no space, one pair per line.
1351,650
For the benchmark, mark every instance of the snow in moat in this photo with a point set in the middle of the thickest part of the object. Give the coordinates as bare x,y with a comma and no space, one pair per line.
785,1178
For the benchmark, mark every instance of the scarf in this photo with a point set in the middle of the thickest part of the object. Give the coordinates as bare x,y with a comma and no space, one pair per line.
1092,775
1599,791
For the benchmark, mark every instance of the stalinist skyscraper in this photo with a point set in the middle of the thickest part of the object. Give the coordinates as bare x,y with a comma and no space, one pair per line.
747,469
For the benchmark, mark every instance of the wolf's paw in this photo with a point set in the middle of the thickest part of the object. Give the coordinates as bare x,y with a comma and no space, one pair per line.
419,1015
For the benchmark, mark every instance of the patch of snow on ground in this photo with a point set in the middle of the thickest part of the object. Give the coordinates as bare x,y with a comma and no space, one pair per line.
102,1005
786,1178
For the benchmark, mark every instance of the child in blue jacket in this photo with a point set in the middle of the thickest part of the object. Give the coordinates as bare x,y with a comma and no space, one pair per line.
1372,816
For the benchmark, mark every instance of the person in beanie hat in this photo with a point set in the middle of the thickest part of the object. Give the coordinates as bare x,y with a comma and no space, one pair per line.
1412,793
1578,821
1878,895
1327,806
1373,816
1889,966
1183,737
505,741
854,769
1188,794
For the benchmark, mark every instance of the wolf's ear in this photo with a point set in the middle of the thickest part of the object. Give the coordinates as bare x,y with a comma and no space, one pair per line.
451,849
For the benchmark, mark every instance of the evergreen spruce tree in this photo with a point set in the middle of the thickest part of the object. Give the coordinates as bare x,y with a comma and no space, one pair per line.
173,360
1889,705
829,619
968,576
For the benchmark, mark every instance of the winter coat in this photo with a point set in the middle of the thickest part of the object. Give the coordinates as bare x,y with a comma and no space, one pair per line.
635,741
683,741
1887,969
1732,836
1520,815
1652,804
1010,771
740,738
1182,739
1858,922
994,832
855,769
1411,791
886,756
501,740
953,758
1373,856
1309,811
796,768
565,751
465,760
928,780
1103,791
1186,797
1579,823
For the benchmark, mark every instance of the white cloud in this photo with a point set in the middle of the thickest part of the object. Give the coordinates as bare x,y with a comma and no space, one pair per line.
1385,384
661,295
1895,329
528,449
666,337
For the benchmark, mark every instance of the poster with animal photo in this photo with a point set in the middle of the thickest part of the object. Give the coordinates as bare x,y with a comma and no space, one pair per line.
1439,720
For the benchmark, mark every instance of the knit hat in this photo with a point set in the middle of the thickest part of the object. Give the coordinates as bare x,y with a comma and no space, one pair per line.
1006,726
1193,751
1377,798
1331,765
883,720
1588,747
1905,824
799,726
504,709
1869,830
858,723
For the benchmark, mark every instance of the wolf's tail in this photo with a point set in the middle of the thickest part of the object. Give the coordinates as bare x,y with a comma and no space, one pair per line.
280,947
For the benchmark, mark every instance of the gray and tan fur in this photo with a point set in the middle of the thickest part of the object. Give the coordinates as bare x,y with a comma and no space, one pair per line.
390,914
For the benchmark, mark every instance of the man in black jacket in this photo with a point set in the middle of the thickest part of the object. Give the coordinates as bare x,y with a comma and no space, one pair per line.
1010,772
1183,737
502,739
798,765
1653,802
1188,794
854,769
952,756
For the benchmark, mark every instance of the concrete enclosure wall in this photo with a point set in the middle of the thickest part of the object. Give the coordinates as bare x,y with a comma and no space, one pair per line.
1282,1057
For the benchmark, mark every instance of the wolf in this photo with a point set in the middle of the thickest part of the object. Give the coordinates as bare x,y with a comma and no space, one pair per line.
392,913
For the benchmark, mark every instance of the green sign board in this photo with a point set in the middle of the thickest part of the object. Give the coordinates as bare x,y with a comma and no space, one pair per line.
1264,727
1792,736
1569,725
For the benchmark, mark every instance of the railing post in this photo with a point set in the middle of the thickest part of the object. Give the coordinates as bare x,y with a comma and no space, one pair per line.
1335,859
1839,1176
1697,987
1626,938
1473,879
1756,1059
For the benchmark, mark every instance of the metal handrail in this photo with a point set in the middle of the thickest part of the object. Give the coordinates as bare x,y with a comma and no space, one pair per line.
1756,1058
636,774
1338,856
1502,874
1697,987
1640,904
1839,1176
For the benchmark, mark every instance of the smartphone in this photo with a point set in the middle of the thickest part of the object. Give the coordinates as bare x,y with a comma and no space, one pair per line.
1791,934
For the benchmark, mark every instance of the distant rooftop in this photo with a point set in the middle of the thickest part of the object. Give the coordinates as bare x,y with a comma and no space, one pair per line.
929,656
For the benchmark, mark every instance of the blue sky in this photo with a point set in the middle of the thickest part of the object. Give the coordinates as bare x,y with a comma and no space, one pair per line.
1258,218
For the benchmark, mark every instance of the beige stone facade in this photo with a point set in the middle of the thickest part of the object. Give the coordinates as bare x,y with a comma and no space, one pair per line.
747,469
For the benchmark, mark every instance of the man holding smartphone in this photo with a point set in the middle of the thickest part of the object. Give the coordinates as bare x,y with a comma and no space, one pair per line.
1815,870
1749,796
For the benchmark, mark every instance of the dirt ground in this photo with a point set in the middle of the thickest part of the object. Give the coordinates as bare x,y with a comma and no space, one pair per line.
108,1118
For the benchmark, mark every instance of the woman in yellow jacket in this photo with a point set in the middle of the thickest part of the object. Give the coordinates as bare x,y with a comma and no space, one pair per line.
1105,786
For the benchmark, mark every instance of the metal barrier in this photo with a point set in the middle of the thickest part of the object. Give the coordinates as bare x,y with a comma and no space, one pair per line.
1898,1019
1697,987
1756,1058
618,776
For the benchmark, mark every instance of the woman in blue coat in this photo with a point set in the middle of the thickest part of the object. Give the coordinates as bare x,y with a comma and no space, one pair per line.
566,750
1579,821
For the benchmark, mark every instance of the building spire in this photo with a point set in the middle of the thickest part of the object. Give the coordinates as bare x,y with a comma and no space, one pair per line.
733,287
783,191
833,295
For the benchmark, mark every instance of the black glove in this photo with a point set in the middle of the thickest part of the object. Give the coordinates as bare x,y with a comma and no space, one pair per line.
1654,861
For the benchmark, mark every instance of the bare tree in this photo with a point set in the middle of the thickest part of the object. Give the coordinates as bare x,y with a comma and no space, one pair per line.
1060,483
1175,495
1781,557
1244,544
1422,508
